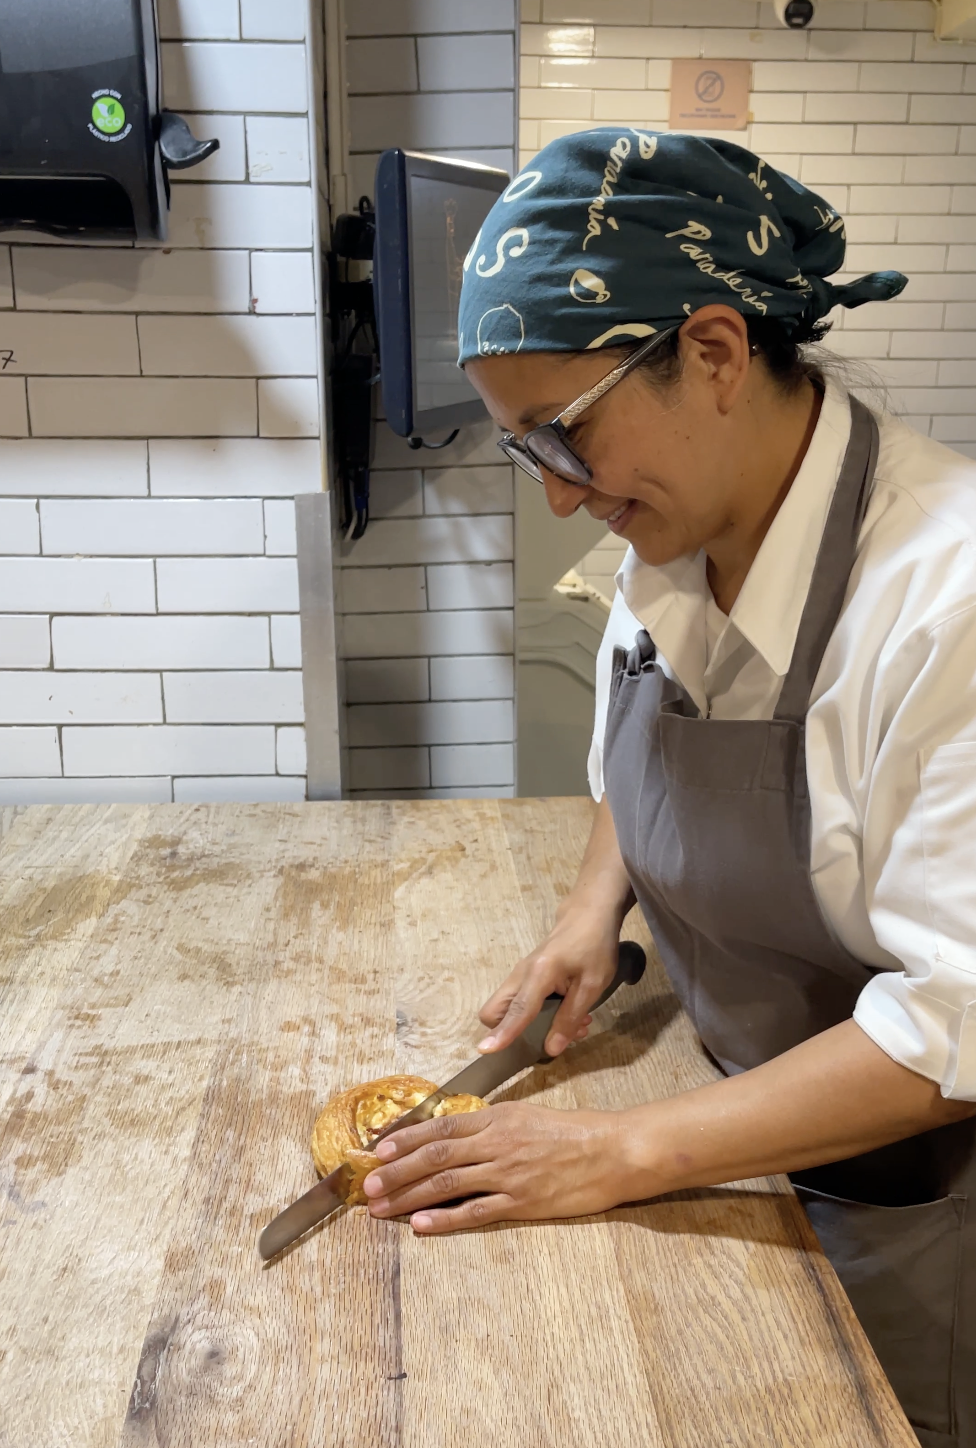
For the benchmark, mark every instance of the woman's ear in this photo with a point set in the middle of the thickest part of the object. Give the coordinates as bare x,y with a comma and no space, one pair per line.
715,345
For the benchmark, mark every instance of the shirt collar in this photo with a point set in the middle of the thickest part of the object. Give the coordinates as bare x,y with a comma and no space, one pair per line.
669,602
771,601
669,599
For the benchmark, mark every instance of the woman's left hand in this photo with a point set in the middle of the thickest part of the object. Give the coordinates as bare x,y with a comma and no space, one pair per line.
514,1162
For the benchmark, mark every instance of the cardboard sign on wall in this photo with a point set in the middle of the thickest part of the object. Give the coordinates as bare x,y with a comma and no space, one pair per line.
710,95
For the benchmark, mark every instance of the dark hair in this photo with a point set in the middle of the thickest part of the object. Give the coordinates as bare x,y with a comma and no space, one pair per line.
780,349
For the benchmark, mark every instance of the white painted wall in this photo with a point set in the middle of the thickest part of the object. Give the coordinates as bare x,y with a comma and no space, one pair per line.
428,594
158,414
866,107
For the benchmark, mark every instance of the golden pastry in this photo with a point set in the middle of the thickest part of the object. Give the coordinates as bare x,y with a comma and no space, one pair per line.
351,1122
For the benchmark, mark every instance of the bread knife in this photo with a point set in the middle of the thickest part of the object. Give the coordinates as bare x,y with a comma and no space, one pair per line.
483,1075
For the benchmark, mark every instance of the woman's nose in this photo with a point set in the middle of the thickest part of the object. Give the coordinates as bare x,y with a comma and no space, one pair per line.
563,498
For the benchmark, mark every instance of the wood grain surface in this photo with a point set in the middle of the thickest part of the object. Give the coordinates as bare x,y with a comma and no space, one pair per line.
182,988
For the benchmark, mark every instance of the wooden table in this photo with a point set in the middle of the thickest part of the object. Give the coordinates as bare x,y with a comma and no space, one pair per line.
181,989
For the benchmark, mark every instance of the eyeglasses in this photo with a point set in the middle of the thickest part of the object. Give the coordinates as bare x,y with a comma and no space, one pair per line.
548,445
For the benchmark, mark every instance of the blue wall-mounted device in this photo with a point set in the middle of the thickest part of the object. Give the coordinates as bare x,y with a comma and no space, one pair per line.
84,143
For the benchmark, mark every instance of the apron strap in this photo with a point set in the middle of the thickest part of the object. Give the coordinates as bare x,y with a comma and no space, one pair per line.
835,559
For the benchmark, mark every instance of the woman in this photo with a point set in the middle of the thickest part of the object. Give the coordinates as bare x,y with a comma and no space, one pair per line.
785,751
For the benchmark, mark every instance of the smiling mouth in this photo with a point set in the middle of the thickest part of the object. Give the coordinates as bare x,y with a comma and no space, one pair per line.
619,516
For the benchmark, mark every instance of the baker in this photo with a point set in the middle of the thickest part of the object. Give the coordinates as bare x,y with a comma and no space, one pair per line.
785,744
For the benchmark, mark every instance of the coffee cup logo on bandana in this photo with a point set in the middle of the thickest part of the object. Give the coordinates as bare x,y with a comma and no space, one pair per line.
614,233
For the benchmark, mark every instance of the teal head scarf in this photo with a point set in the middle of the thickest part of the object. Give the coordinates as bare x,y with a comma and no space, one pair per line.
611,234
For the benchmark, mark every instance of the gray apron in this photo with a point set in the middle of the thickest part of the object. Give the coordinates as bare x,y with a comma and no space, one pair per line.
713,821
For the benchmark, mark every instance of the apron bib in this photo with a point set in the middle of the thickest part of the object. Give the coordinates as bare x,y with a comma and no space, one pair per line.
713,822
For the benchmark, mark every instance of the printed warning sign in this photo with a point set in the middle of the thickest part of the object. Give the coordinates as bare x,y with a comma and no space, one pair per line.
710,95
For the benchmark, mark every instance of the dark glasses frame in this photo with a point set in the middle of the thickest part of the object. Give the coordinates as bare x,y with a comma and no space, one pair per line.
548,447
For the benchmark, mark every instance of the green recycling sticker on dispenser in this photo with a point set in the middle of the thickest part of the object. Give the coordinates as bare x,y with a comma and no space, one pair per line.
108,121
108,116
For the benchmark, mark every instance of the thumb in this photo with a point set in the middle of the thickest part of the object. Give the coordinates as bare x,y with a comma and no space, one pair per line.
495,1006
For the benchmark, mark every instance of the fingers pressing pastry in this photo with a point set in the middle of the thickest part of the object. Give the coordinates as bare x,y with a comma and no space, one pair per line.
351,1122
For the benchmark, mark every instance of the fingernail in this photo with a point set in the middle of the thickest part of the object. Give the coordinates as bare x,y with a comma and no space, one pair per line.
421,1222
373,1185
386,1150
379,1206
487,1044
556,1044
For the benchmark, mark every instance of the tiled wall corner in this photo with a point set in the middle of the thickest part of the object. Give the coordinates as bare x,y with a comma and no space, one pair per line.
426,596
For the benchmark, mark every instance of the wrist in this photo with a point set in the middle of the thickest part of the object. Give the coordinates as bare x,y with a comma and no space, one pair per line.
648,1168
596,903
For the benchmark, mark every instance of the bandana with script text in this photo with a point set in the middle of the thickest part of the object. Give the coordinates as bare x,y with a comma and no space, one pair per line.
613,233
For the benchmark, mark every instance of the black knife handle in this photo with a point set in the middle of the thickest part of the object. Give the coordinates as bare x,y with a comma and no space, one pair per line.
631,964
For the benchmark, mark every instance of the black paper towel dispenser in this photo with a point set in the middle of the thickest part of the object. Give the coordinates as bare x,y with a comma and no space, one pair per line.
84,145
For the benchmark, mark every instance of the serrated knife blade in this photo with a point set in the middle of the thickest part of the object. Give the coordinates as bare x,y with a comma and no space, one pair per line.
324,1198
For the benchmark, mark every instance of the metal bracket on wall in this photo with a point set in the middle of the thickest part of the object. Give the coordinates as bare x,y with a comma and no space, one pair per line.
320,660
355,356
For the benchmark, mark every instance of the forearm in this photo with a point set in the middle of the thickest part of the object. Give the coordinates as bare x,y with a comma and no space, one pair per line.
831,1097
602,884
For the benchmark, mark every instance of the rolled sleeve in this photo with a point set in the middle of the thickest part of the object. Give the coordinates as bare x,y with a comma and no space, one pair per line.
920,870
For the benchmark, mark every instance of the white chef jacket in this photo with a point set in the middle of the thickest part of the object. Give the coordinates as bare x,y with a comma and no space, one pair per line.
891,727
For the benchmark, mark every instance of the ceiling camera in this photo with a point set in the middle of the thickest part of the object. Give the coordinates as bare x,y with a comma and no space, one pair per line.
794,14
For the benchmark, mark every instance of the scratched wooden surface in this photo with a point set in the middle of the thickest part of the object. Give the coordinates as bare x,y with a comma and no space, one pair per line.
181,988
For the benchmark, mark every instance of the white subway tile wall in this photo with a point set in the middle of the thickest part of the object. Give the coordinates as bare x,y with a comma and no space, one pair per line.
426,597
13,407
37,697
106,789
291,751
159,410
54,279
169,749
865,106
269,218
286,641
283,20
249,789
279,527
288,407
139,406
277,148
25,641
268,697
19,525
282,281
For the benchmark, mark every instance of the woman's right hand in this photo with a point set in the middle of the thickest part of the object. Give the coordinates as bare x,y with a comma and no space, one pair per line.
577,960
